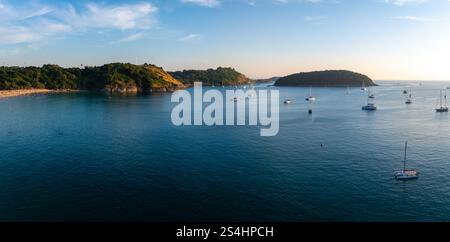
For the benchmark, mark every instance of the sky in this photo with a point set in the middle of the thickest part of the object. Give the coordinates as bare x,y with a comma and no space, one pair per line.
384,39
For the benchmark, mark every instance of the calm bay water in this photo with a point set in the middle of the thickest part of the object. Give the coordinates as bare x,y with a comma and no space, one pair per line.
92,157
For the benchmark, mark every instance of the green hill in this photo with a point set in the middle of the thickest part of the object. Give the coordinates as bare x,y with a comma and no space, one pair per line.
115,77
220,76
329,78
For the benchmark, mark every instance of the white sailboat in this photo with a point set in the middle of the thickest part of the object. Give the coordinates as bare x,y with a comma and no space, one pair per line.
348,90
371,95
409,99
406,174
363,87
443,108
311,98
370,105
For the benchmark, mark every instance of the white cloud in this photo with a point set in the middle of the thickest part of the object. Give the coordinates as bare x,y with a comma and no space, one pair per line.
131,38
30,23
204,3
405,2
189,38
416,19
135,16
41,12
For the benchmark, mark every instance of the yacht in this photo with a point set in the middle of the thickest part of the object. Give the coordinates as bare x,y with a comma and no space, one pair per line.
370,106
311,98
363,87
409,99
443,108
406,174
371,95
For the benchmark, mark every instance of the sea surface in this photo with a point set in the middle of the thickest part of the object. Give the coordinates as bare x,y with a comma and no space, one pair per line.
94,157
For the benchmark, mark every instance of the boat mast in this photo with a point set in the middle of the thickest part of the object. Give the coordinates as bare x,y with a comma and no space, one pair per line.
404,161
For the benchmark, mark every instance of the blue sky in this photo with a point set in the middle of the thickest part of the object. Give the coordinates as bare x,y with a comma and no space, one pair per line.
386,39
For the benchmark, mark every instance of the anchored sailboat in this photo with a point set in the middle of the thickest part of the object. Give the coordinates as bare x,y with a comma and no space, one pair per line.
409,99
406,174
311,98
370,105
363,87
443,108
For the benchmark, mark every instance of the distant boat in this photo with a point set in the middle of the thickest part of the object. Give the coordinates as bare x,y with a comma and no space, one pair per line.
370,106
287,101
443,108
311,98
363,87
405,92
409,99
236,99
348,90
406,174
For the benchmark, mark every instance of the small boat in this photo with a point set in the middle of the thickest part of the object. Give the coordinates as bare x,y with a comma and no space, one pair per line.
310,111
287,101
363,87
443,108
311,98
409,99
406,174
372,96
370,106
236,99
348,90
405,92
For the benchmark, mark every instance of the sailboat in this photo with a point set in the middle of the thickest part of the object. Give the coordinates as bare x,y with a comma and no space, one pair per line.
406,174
442,108
409,99
311,98
348,90
370,106
371,95
363,87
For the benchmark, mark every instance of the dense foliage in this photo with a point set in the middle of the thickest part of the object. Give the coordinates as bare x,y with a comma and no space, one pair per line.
111,76
219,76
340,78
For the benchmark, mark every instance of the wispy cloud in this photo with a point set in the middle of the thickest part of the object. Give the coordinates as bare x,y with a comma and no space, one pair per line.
204,3
415,19
189,38
131,38
405,2
315,19
30,23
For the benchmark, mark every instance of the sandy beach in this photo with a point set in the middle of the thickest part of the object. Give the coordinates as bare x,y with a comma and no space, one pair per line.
14,93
